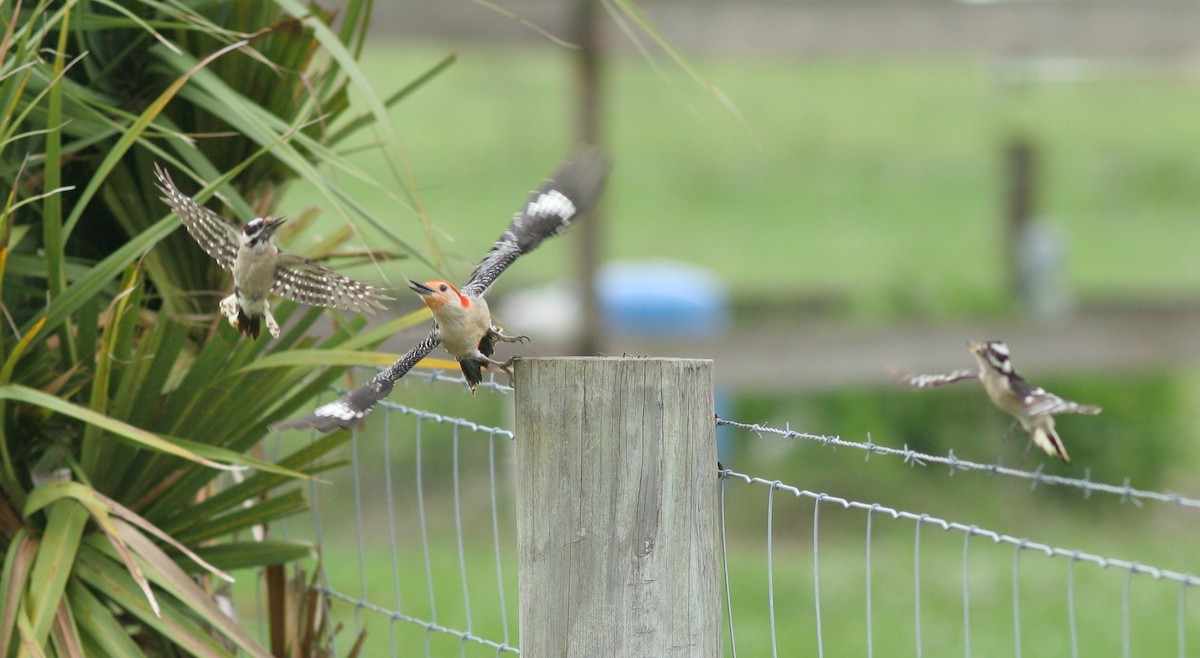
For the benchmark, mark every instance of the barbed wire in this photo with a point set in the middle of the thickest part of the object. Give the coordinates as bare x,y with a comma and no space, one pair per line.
973,530
429,626
1036,476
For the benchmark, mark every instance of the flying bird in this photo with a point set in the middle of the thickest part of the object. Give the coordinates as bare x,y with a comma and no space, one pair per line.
260,268
1033,406
462,321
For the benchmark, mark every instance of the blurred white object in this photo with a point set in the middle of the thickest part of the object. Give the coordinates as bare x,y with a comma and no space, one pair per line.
1041,282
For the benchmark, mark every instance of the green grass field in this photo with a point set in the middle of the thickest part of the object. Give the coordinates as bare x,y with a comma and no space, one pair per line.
875,180
878,181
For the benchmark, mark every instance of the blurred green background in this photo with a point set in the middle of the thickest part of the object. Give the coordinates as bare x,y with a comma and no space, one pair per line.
856,191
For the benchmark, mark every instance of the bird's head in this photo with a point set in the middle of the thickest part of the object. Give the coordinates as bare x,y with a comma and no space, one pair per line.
437,293
260,229
992,354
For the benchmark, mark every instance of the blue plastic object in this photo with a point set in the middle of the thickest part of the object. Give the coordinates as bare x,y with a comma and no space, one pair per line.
662,298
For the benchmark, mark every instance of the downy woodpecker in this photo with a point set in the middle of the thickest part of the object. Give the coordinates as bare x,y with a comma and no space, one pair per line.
260,268
1033,406
461,319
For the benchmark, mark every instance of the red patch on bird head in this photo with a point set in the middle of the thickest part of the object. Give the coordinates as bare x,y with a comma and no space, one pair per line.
443,292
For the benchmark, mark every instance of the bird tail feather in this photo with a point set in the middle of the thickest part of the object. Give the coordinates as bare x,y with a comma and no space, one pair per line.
249,324
1049,441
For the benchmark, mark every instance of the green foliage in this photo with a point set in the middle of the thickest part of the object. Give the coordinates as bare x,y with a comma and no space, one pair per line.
1140,437
124,399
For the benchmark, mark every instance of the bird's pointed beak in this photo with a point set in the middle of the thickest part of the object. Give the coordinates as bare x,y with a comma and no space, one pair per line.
272,223
420,288
975,346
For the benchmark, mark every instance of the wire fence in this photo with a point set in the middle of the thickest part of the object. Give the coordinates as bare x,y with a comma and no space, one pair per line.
419,548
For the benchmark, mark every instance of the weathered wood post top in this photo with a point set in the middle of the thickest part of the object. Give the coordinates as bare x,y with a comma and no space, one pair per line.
617,508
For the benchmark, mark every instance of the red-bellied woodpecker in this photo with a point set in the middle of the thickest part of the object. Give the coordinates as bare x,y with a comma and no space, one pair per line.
462,322
1033,406
259,268
465,327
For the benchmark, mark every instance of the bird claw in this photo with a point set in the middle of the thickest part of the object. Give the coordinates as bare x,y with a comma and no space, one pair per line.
506,367
510,339
228,307
272,325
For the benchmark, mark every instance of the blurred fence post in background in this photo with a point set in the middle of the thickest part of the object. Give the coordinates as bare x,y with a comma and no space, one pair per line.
1018,206
587,31
1035,247
617,509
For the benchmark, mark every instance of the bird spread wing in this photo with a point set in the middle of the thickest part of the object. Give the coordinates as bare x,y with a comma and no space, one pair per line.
570,192
930,381
302,280
347,411
1038,401
215,235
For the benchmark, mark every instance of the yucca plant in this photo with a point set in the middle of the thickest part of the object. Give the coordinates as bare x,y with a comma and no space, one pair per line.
124,399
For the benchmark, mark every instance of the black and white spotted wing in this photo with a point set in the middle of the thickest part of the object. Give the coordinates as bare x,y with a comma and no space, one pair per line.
1038,401
570,192
931,381
348,410
215,235
302,280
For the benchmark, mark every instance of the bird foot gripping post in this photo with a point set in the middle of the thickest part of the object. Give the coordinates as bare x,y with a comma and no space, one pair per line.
462,322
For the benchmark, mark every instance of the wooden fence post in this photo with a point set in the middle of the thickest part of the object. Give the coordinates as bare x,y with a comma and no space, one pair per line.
617,510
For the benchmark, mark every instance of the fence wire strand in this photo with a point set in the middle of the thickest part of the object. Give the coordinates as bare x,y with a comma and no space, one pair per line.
1036,477
997,537
1016,597
817,576
966,595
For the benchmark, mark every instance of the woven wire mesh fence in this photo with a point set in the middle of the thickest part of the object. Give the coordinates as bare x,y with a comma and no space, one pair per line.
838,573
416,533
419,547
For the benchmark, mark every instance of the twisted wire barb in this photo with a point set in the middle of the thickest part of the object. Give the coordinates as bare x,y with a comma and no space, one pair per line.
1036,476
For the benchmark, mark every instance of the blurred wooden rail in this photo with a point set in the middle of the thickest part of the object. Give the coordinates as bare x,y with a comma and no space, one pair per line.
807,351
796,28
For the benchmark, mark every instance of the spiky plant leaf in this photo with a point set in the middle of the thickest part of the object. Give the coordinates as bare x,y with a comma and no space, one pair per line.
115,371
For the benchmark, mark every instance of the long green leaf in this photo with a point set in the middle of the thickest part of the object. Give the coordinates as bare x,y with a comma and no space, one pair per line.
168,575
90,445
258,513
134,132
630,9
19,349
66,520
22,549
102,274
354,125
232,556
98,625
53,492
53,235
319,358
255,485
102,573
119,430
237,459
105,511
64,633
